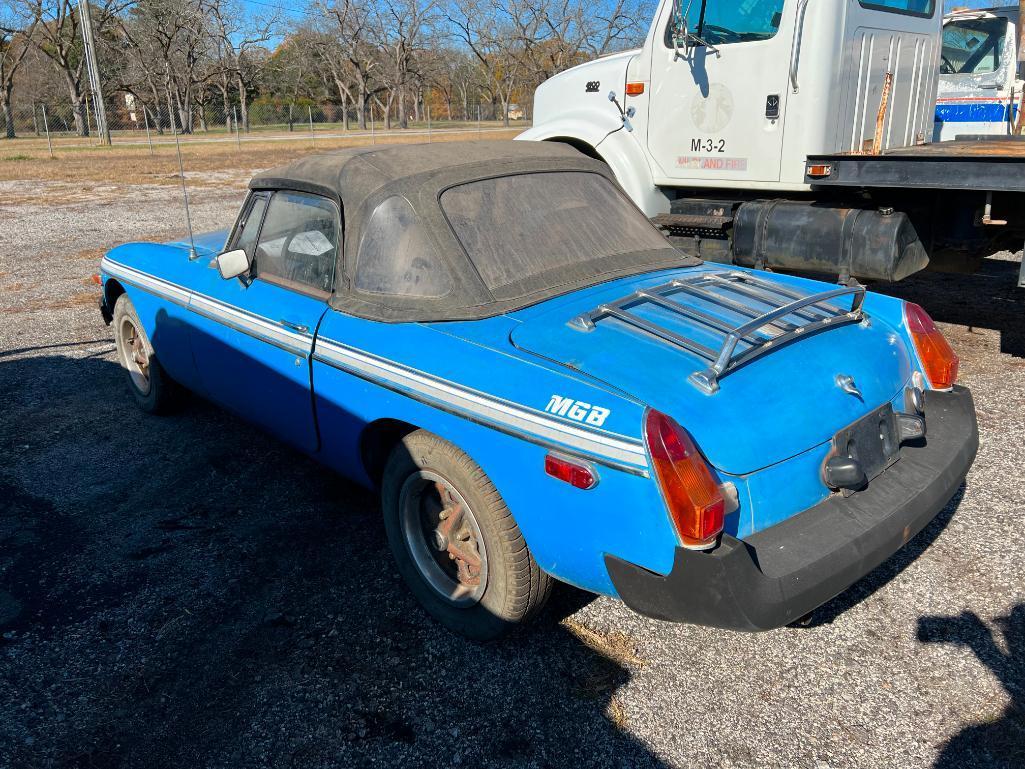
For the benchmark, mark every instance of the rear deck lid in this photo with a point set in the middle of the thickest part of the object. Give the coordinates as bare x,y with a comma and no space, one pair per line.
782,392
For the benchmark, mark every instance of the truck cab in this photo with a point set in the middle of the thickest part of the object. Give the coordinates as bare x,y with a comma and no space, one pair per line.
981,80
728,95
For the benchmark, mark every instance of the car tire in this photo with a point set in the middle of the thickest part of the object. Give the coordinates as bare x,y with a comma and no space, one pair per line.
149,383
424,478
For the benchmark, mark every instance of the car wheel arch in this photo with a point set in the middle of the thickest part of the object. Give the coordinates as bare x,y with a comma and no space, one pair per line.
376,443
112,291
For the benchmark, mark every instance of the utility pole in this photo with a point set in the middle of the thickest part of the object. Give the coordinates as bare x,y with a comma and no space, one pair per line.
94,71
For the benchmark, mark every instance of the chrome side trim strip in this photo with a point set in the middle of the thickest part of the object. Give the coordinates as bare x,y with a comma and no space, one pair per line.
252,325
158,286
616,451
247,323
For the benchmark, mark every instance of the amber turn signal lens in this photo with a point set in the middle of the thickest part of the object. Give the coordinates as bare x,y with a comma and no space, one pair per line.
695,501
634,89
820,172
939,361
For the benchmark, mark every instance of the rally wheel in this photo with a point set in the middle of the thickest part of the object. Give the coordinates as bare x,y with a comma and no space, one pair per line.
455,541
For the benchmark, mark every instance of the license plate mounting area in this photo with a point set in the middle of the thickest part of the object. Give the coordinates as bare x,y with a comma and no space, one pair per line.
873,441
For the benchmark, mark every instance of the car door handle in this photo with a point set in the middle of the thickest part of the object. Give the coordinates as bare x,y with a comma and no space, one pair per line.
295,326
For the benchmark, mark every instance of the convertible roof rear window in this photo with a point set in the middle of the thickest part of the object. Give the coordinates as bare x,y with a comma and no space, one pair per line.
517,228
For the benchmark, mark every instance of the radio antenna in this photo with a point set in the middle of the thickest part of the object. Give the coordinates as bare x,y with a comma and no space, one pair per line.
185,191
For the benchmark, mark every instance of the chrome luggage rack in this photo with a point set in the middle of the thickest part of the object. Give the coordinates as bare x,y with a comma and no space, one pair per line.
763,332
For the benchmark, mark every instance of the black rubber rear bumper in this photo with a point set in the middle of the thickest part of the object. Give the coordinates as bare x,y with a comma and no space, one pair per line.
778,575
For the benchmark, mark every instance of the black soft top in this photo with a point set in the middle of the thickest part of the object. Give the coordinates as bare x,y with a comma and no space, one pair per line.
360,179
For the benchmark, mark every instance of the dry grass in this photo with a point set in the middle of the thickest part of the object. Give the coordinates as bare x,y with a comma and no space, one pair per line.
615,646
79,299
206,163
616,654
616,713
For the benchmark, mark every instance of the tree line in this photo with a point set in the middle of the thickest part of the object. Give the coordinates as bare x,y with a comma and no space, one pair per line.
180,61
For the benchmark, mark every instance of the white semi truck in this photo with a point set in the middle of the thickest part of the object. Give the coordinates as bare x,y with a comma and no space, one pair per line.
793,134
982,82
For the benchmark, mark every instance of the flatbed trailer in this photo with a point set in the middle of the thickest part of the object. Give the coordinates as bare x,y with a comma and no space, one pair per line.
989,164
966,195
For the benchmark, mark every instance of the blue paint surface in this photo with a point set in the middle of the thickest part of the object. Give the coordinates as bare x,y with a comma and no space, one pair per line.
976,112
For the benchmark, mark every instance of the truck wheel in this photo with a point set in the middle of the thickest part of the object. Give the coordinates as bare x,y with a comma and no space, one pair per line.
456,543
152,388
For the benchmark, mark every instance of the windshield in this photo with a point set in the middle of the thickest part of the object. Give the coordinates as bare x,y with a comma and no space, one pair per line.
973,46
532,232
719,22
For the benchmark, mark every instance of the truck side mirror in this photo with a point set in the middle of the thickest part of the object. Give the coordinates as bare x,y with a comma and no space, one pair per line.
232,264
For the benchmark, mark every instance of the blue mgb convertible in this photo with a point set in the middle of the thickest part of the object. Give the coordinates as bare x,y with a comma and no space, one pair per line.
542,387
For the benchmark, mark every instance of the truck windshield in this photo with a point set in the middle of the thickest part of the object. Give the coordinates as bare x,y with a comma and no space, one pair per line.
720,22
972,46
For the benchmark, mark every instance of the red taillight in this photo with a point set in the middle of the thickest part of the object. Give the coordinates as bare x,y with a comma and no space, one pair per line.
578,474
695,501
939,361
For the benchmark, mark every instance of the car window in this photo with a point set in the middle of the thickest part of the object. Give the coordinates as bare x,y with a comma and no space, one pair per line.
396,258
515,228
972,46
251,225
298,241
720,22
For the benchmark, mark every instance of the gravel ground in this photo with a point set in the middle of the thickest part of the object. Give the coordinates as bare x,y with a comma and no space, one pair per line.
185,591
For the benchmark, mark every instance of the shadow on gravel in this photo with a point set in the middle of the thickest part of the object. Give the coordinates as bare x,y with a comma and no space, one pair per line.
989,298
184,591
890,568
999,743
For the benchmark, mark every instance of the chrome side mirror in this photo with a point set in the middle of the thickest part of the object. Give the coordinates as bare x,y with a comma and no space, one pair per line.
232,264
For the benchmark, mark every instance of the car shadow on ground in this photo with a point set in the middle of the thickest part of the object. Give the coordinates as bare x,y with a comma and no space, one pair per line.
889,569
953,298
186,591
999,743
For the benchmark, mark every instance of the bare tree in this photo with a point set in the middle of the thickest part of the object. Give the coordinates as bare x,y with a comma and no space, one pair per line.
348,51
402,29
15,32
239,38
58,37
483,27
168,41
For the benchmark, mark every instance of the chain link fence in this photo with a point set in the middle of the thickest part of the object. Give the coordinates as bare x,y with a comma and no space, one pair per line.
132,123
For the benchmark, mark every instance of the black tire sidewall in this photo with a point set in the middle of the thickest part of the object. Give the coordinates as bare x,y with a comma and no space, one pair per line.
160,397
490,617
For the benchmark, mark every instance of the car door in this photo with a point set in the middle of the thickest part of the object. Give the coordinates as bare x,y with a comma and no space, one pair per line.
702,127
254,338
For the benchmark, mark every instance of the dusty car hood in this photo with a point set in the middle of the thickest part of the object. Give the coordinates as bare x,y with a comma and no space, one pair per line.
774,408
